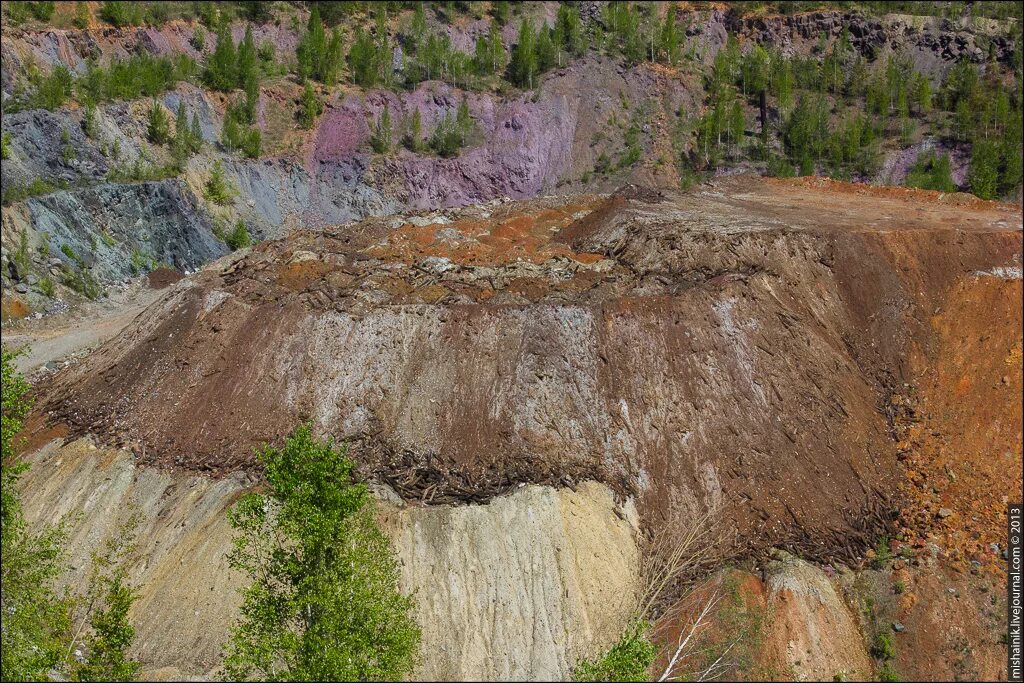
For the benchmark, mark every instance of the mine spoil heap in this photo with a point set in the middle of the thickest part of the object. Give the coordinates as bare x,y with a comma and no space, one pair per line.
734,348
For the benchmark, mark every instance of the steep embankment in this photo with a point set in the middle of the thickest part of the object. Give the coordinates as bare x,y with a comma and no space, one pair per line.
527,607
730,349
561,374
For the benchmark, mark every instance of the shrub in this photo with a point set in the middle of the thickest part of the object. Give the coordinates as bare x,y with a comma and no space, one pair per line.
46,287
310,107
627,660
105,609
82,16
218,189
122,13
888,673
380,140
51,91
983,175
237,135
158,128
17,193
5,145
35,618
19,12
141,171
137,76
414,137
883,647
931,172
239,237
84,282
323,600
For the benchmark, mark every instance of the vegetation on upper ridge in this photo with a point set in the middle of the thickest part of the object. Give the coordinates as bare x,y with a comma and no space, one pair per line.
832,112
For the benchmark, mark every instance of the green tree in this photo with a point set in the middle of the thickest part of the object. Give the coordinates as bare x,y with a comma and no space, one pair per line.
158,128
90,126
247,68
446,139
923,94
737,123
362,60
181,146
323,600
330,69
316,42
414,138
310,107
238,238
931,172
380,139
546,50
104,609
221,67
523,67
669,39
218,189
35,618
195,137
983,175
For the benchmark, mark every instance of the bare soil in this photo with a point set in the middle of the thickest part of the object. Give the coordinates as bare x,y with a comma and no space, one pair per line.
740,348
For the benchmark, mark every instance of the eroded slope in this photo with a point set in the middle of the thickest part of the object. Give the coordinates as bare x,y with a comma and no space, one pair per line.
734,349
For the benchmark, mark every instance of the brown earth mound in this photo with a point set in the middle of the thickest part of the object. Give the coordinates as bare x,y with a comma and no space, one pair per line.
735,348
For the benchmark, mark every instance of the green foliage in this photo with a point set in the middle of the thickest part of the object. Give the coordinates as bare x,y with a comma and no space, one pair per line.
323,602
51,91
222,66
188,140
237,134
5,145
238,238
46,287
624,34
19,12
104,608
141,170
883,647
669,38
141,75
122,13
366,61
381,136
318,57
35,619
931,172
414,137
219,189
90,126
17,193
81,280
310,107
983,175
888,673
452,132
627,660
524,67
158,127
198,40
489,56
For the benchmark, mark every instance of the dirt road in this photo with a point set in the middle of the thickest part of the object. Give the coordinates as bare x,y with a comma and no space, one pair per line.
65,336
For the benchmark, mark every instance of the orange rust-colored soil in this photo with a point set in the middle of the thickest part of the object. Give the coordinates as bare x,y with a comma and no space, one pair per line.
963,451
